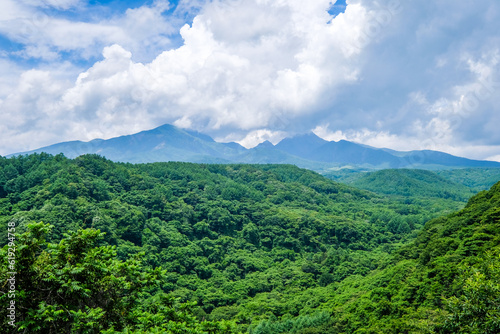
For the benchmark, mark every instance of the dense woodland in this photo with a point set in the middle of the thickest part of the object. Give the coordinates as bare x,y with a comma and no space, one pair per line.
108,247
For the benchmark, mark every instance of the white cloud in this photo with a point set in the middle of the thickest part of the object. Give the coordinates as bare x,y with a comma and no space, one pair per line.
494,158
144,30
9,74
226,74
36,95
254,138
405,75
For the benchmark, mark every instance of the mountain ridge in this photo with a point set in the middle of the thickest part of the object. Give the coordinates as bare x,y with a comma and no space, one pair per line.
170,143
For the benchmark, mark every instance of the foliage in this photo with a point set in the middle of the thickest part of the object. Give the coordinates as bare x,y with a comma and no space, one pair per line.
194,248
407,295
477,307
77,287
477,179
413,183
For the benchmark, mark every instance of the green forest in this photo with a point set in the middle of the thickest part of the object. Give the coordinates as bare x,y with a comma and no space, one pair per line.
105,247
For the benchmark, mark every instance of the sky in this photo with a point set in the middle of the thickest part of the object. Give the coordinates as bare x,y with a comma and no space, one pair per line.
399,74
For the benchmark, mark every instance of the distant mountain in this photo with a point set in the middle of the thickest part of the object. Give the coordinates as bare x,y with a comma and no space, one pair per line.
301,145
169,143
314,148
346,152
165,143
428,157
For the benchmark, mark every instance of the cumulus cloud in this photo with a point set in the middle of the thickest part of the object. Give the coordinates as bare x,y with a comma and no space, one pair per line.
255,137
430,80
405,75
45,34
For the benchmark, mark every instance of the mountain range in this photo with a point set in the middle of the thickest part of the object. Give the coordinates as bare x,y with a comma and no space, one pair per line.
169,143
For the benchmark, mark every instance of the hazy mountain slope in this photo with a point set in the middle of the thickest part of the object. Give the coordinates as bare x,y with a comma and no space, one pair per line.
429,157
267,153
301,145
165,143
351,153
313,148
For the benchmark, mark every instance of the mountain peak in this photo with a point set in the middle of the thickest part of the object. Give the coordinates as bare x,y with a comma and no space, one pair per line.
163,128
310,136
302,144
265,144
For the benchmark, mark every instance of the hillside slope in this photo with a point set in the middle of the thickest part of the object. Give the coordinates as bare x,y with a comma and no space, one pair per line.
477,179
243,241
412,182
446,281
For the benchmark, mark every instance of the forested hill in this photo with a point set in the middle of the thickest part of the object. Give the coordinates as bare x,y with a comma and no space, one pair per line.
258,248
446,281
197,200
460,183
412,183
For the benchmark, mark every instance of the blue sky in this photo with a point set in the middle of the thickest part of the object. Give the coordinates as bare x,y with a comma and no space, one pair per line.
388,73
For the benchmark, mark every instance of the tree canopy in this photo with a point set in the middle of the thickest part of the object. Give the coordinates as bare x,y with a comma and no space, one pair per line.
109,247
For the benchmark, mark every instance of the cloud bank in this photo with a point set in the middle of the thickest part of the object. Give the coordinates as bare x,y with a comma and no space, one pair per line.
419,75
